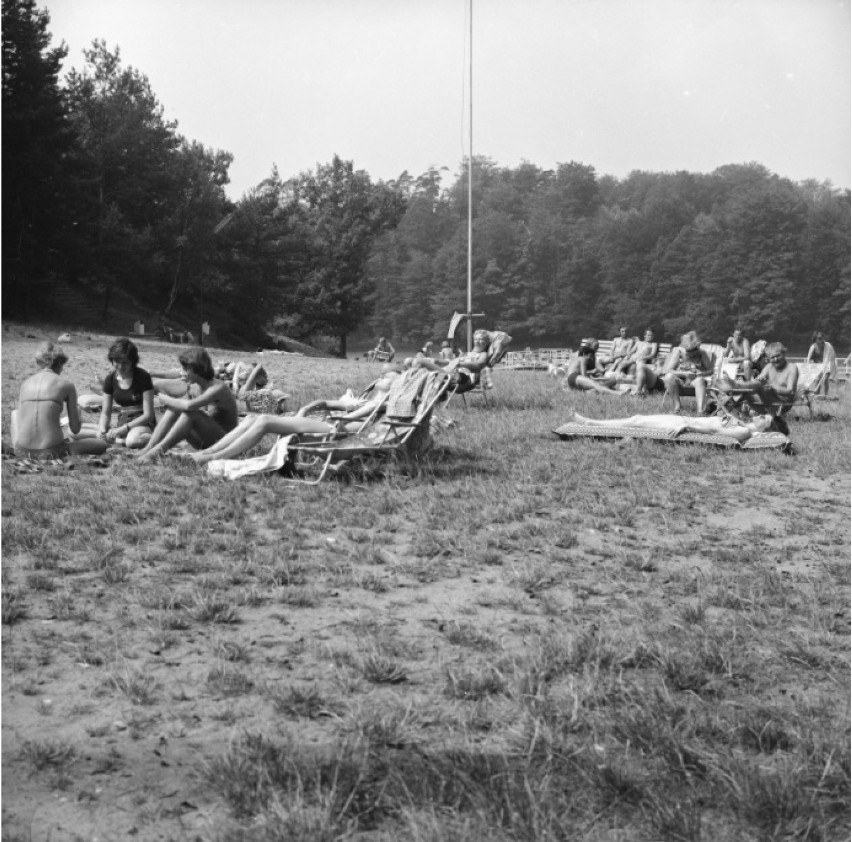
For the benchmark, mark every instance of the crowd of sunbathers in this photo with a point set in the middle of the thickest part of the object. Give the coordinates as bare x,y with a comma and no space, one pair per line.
199,401
636,367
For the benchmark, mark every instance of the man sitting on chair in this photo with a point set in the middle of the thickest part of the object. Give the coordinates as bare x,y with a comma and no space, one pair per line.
778,381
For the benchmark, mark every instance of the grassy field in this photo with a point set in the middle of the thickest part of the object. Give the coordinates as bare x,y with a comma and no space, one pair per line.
518,638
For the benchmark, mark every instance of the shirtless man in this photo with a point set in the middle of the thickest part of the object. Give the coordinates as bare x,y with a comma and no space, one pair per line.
36,429
643,353
777,383
622,347
738,350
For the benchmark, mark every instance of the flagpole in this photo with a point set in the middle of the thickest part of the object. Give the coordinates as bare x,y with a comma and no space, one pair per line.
470,192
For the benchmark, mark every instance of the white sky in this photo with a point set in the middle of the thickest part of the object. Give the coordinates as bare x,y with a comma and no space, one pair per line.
658,85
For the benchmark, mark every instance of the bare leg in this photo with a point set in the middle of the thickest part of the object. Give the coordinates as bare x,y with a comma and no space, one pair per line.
700,385
646,379
87,447
672,383
138,437
163,426
231,437
177,432
590,383
263,425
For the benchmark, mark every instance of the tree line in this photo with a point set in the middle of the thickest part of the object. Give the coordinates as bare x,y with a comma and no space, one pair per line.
99,189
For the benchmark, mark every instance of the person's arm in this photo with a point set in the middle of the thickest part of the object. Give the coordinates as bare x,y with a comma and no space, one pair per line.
811,351
147,418
673,360
73,409
106,416
252,379
210,395
171,374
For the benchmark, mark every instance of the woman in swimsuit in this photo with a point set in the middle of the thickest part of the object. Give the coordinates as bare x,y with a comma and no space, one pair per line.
202,420
253,428
676,424
132,389
36,429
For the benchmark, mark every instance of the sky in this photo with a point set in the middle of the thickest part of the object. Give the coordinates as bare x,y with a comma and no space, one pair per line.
619,85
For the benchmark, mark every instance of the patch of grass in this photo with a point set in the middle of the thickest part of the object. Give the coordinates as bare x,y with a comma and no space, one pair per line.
48,753
139,686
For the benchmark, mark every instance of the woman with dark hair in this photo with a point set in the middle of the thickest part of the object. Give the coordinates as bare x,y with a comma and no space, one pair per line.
132,389
37,431
202,420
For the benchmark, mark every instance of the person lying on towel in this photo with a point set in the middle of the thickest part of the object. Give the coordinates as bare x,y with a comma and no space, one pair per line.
674,425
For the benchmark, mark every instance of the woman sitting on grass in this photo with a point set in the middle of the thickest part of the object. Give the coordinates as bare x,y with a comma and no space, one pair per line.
253,428
674,425
202,420
37,432
132,388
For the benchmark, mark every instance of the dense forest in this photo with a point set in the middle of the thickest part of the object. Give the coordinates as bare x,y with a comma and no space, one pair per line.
101,192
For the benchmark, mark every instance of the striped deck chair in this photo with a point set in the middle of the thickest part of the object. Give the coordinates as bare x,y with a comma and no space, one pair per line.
404,430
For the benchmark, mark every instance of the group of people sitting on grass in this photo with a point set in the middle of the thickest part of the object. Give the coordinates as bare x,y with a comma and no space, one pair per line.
199,403
47,421
635,367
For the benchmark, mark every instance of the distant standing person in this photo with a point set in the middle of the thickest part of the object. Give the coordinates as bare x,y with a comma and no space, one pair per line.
36,429
738,350
823,352
446,352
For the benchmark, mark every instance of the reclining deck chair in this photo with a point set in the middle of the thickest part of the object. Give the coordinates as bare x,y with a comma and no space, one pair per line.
482,382
716,354
403,430
811,377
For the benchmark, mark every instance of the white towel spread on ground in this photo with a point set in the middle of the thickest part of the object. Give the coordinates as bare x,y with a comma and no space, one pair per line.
236,468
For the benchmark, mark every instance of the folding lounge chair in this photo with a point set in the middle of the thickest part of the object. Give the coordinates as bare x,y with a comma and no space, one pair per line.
743,406
404,429
759,441
482,381
716,354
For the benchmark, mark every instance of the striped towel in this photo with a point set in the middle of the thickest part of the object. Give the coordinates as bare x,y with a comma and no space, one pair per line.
402,398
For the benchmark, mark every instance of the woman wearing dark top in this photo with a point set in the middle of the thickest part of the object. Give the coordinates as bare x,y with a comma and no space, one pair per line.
132,389
201,421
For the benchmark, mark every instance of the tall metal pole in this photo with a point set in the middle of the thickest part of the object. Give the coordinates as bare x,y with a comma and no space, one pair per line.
470,194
